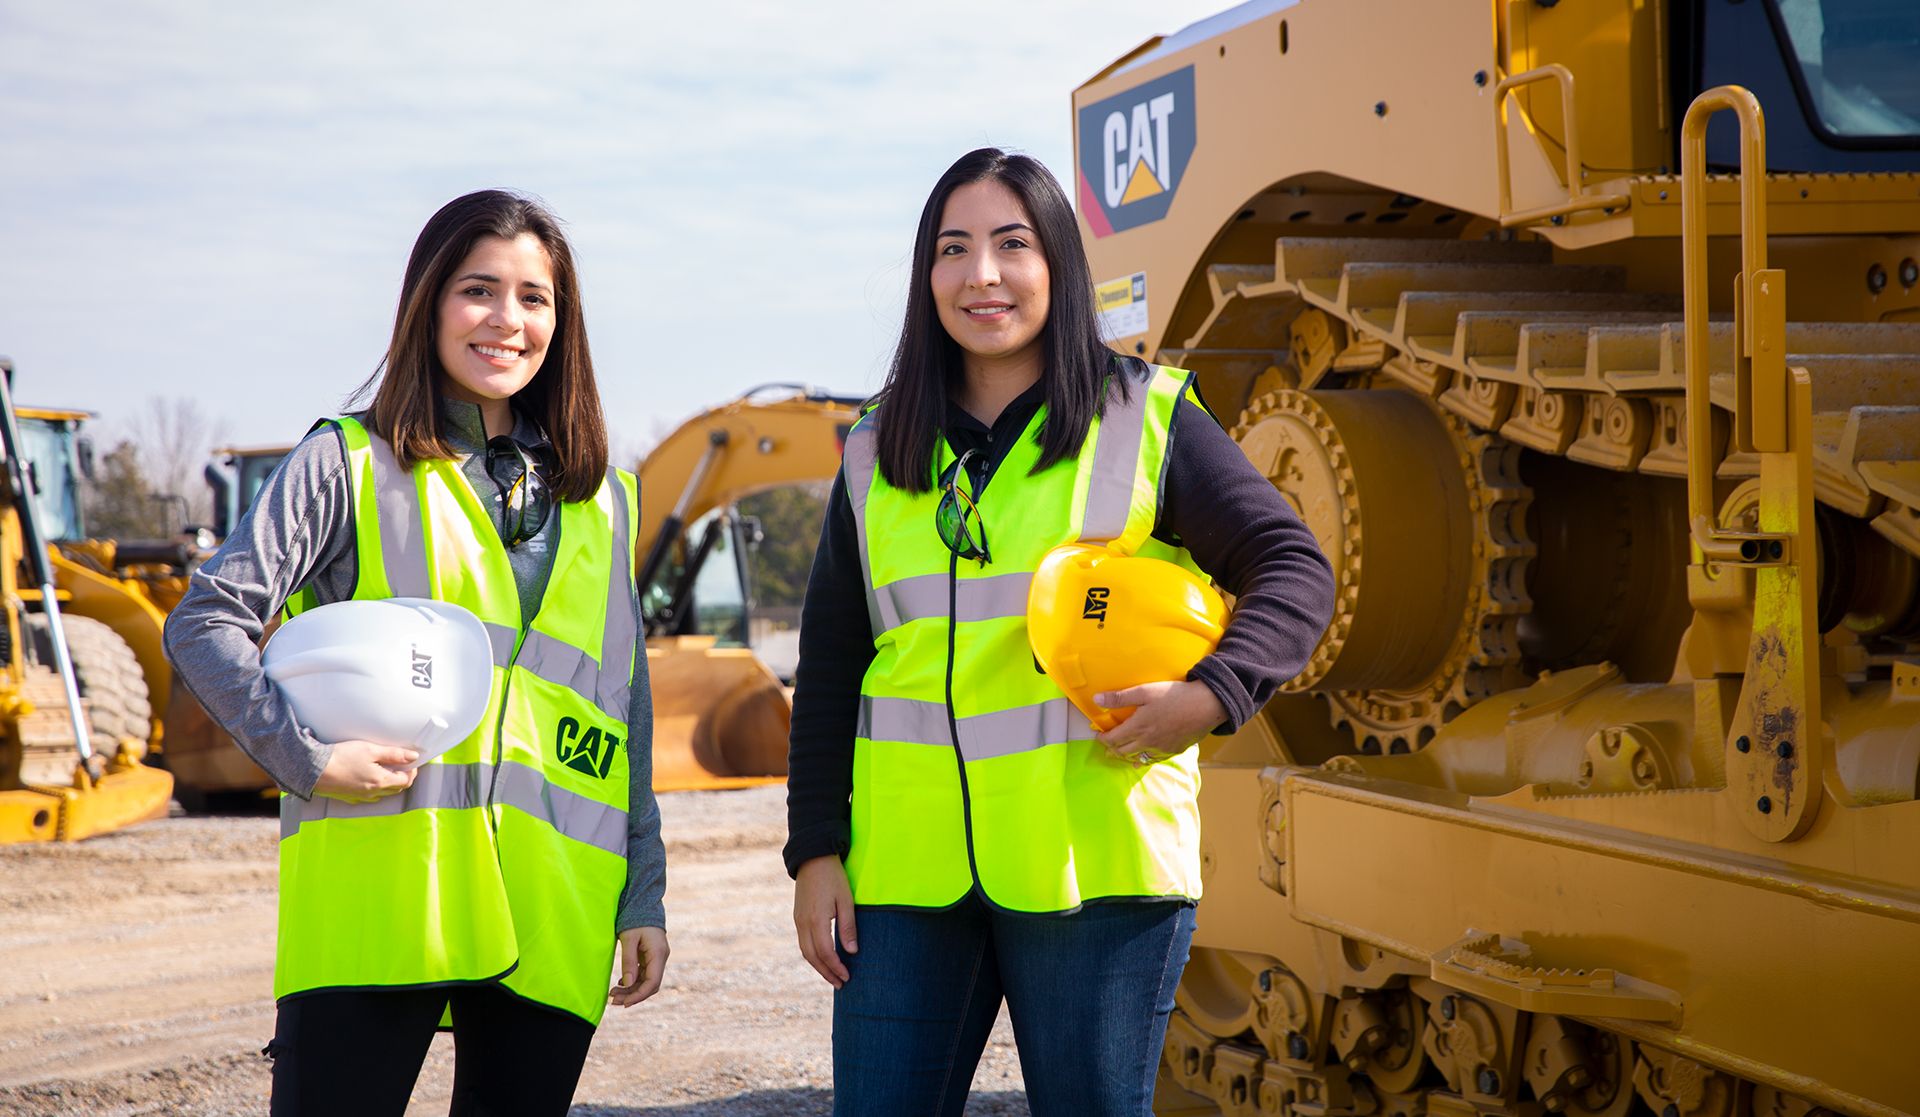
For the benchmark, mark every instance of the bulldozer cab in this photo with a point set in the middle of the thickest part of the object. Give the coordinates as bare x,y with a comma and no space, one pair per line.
1838,76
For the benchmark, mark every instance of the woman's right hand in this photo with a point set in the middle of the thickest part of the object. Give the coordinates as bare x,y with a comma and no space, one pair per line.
822,900
362,772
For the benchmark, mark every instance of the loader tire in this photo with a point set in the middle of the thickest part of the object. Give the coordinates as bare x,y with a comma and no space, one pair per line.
112,685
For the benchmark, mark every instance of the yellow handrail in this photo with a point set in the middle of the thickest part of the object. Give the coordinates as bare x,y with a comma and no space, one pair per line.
1774,744
1578,200
1710,543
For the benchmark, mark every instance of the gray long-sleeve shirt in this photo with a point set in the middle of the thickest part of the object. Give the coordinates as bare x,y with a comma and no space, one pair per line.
299,532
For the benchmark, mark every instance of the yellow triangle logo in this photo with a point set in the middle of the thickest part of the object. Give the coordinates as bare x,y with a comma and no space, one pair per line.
1141,185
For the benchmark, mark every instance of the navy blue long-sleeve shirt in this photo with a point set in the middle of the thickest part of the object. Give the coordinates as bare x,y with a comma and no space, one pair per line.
1213,502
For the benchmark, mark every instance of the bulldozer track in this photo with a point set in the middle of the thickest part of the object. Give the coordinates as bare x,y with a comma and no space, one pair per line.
1516,352
1562,359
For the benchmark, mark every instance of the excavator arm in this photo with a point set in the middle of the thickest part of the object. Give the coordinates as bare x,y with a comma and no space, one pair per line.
744,446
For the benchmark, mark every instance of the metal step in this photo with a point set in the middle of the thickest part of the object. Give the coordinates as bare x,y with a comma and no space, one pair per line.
1537,348
1426,324
1560,359
1315,263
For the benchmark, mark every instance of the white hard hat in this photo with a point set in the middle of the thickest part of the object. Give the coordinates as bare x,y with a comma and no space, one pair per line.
406,671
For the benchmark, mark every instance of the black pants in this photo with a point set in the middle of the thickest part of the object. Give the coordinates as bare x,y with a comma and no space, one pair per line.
358,1052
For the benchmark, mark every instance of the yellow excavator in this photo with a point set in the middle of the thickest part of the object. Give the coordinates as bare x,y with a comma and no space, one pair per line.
1601,391
720,713
75,717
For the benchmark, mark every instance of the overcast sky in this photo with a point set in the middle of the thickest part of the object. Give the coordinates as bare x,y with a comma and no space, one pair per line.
216,199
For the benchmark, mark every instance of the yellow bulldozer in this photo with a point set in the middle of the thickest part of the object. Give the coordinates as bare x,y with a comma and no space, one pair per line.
76,719
720,713
1600,389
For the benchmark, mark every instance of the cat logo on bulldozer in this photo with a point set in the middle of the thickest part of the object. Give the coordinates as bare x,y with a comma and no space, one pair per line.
1134,148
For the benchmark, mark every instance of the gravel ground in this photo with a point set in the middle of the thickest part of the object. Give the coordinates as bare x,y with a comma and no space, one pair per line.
138,980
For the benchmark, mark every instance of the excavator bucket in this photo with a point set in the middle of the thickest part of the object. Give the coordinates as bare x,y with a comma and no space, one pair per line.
720,716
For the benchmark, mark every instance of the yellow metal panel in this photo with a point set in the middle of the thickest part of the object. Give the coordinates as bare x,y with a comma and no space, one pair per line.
1412,118
1613,48
1750,946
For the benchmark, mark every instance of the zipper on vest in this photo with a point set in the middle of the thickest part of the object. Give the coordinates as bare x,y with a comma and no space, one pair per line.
953,725
499,748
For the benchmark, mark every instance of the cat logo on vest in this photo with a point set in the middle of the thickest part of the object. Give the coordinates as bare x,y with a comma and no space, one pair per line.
422,669
1096,607
589,753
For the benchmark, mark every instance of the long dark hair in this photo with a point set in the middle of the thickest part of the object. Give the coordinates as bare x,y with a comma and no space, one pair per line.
562,395
927,363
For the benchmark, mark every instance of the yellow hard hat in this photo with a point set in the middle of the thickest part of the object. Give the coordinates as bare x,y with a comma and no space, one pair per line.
1101,621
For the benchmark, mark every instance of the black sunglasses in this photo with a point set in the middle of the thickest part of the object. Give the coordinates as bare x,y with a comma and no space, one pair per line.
957,517
522,513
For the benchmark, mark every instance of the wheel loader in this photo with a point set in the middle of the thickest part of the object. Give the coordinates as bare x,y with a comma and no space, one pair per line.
75,716
720,713
1585,336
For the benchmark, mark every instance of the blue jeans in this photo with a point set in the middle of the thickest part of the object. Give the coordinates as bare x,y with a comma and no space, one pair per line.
1088,993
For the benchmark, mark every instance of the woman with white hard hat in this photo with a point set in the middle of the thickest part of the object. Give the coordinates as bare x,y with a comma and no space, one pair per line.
960,833
458,711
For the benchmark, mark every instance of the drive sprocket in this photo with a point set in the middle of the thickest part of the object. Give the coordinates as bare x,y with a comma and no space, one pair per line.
1425,522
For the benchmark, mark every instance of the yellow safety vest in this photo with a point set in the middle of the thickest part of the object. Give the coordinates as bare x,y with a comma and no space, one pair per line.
971,768
506,859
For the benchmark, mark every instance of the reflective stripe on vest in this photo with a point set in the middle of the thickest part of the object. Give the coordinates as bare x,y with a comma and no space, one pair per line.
506,858
452,787
1034,811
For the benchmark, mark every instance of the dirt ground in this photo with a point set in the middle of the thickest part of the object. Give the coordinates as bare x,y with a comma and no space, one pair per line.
136,977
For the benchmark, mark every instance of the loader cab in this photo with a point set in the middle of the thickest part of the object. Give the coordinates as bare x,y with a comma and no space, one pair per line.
234,477
706,588
1839,78
59,459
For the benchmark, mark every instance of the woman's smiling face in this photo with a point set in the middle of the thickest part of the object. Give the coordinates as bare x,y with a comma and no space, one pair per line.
989,275
496,318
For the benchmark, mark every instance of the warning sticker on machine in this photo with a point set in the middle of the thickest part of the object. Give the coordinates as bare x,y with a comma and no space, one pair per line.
1123,305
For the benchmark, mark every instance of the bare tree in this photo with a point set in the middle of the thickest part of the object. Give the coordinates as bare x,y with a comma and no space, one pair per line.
120,502
174,435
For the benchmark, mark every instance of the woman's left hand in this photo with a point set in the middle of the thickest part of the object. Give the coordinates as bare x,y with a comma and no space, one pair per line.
643,962
1170,716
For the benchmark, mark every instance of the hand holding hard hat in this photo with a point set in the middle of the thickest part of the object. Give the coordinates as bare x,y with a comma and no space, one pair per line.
1099,622
405,671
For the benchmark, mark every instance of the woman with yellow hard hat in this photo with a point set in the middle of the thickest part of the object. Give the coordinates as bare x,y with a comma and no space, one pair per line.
959,832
